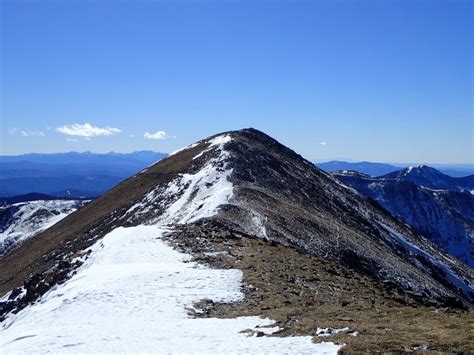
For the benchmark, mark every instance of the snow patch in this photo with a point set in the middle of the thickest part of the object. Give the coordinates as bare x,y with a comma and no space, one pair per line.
325,332
131,295
373,186
259,223
217,142
201,195
190,197
455,279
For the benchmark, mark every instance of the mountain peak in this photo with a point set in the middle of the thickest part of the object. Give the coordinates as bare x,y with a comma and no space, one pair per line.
431,178
246,182
420,169
249,182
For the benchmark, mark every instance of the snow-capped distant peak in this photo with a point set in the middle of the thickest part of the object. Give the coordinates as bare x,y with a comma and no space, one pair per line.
23,220
416,169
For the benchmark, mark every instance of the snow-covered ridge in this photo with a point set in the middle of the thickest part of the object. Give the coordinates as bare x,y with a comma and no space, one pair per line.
183,148
190,197
131,295
219,140
216,142
23,220
202,193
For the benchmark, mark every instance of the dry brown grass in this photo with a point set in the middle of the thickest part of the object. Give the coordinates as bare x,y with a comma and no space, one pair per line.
302,293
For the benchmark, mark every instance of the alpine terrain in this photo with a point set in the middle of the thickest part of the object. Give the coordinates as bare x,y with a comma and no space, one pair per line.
22,220
233,244
431,178
439,206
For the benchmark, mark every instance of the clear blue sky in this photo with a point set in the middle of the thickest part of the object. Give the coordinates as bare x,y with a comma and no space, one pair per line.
363,80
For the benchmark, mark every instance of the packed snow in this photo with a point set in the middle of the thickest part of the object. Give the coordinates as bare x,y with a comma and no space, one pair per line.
190,197
133,294
216,142
200,194
23,220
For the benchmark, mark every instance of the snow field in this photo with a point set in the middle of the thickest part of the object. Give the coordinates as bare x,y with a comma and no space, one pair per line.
131,295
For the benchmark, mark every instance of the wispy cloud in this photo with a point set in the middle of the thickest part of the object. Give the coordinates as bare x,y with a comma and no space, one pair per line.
13,131
87,130
323,143
32,133
157,135
71,139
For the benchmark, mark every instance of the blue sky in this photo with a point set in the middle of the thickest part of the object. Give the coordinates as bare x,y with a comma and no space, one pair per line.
363,80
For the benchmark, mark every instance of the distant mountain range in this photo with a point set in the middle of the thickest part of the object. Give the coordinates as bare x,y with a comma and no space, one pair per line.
378,169
439,206
434,179
70,174
86,175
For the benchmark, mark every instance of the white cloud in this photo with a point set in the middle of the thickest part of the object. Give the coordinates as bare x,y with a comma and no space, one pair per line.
71,139
322,143
32,134
12,131
87,130
156,135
